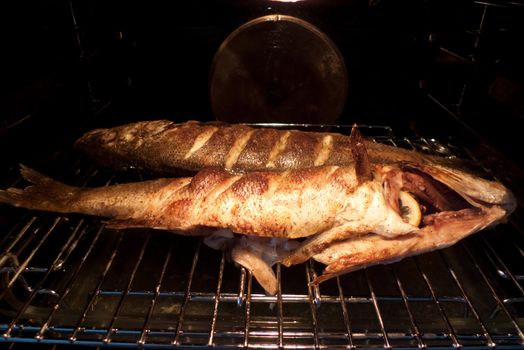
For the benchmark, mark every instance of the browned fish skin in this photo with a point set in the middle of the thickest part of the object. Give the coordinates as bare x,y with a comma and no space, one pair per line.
275,204
164,147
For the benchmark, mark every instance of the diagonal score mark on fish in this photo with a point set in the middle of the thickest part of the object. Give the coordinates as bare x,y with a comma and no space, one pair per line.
349,216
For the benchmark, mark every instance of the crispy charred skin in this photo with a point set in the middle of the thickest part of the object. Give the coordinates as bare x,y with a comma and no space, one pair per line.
164,147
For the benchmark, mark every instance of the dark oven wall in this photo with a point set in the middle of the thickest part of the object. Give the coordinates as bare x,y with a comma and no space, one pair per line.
448,69
69,61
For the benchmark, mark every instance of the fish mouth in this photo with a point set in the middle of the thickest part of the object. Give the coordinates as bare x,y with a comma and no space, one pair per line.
441,230
437,193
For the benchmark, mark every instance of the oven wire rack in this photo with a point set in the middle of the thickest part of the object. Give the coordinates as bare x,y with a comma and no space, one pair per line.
69,280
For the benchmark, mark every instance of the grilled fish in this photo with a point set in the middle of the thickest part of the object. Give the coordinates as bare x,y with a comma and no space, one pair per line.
350,216
291,204
357,210
165,147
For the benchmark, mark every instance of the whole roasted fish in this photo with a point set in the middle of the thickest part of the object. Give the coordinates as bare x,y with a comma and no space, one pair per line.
164,147
405,208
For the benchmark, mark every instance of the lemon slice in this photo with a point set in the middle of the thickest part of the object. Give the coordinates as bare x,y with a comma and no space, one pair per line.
409,209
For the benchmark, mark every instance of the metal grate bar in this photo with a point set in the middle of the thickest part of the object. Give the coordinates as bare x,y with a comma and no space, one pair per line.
408,141
187,297
248,309
496,297
280,308
489,339
110,328
241,297
23,266
145,327
217,299
377,310
414,328
501,263
39,223
286,298
45,325
239,334
7,252
436,300
345,315
91,302
481,27
37,287
315,292
314,301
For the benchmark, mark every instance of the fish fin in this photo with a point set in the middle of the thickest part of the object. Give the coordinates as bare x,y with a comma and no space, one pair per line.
34,176
360,155
121,224
252,260
11,196
347,264
46,194
329,275
317,244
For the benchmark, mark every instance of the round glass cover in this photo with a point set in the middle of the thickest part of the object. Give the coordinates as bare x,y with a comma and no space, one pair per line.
278,68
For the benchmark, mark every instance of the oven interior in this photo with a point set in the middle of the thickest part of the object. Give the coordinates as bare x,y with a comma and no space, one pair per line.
440,77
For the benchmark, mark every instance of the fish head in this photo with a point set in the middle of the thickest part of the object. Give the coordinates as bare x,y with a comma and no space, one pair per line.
453,204
475,190
443,198
370,209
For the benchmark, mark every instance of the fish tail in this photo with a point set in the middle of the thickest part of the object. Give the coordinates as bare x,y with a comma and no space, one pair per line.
34,176
45,193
